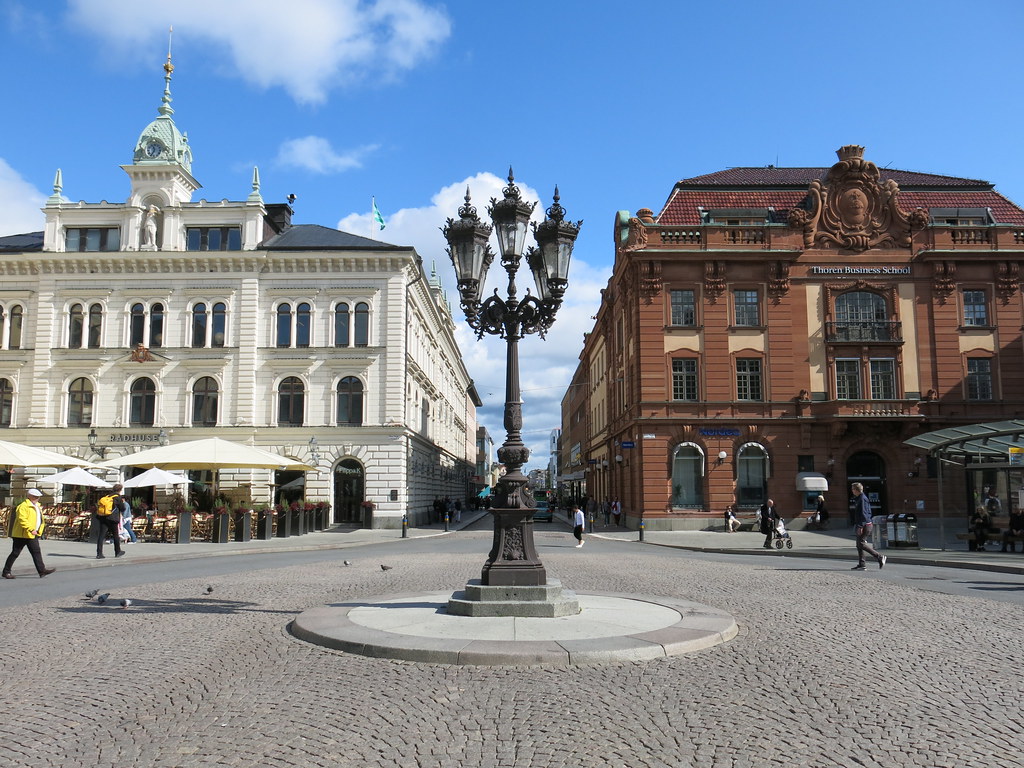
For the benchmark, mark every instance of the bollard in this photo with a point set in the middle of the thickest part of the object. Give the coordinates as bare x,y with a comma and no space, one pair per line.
446,522
641,530
405,525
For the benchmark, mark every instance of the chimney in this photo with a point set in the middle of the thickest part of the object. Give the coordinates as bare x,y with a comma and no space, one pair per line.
277,220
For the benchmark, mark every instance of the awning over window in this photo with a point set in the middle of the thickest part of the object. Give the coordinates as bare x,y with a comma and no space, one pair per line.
811,481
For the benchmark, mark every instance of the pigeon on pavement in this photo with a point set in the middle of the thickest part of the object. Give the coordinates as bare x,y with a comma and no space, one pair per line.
348,562
92,593
209,589
125,603
103,598
386,567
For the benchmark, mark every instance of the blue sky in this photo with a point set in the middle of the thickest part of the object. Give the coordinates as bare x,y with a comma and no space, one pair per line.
409,100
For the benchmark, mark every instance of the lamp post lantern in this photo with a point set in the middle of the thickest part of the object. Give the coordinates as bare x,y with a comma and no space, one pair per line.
513,559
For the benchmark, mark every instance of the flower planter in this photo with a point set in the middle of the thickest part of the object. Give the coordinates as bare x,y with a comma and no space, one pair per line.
243,525
284,525
265,525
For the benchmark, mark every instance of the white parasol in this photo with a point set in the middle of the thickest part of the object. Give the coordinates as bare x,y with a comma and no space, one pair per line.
155,476
76,476
18,455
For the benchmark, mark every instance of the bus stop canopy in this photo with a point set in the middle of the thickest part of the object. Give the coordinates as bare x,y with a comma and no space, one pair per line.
989,442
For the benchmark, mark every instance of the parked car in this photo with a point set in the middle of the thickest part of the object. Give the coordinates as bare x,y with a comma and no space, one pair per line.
543,513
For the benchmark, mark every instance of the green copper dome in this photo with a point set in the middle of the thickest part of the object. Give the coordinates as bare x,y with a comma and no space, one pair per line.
161,142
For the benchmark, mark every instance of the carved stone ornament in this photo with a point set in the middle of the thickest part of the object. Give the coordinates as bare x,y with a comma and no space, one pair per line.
943,279
1007,280
650,278
637,237
778,279
714,279
852,211
141,355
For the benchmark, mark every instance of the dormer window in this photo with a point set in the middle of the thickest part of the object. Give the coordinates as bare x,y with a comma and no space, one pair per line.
93,239
213,239
737,217
961,217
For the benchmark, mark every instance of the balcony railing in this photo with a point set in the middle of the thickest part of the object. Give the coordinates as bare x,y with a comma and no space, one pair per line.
858,332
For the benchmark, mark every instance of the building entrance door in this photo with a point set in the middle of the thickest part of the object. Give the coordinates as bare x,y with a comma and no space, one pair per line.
868,469
348,492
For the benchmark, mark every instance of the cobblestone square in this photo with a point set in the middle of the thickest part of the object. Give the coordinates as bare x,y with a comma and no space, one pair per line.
829,669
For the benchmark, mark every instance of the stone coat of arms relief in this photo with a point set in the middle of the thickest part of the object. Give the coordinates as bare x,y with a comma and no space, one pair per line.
852,211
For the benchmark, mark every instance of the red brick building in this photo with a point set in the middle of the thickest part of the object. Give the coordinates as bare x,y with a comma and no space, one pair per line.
779,332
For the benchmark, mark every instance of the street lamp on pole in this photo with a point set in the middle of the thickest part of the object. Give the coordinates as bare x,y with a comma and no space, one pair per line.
513,559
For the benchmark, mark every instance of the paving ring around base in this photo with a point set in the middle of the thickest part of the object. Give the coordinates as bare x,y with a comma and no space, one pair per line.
610,628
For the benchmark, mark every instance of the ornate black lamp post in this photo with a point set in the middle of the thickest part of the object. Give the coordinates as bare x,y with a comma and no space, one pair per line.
513,559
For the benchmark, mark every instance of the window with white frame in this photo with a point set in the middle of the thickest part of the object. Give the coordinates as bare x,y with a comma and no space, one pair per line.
746,308
362,324
209,324
291,395
975,308
205,401
684,379
979,378
751,474
142,403
848,379
350,401
92,239
146,325
12,319
683,308
749,385
688,476
80,403
85,329
342,324
294,328
6,403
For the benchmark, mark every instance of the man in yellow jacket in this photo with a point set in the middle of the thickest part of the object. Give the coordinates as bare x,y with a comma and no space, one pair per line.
26,527
108,514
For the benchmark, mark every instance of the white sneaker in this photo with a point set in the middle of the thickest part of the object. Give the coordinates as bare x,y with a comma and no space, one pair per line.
579,545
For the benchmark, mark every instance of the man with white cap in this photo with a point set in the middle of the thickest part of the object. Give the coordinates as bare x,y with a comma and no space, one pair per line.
26,527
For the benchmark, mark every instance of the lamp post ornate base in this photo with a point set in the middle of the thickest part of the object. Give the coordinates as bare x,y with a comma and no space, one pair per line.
513,559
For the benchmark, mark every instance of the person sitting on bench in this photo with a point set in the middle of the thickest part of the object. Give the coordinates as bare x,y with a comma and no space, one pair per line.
1014,531
979,524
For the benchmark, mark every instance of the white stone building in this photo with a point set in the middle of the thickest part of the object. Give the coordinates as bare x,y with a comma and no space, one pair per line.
165,317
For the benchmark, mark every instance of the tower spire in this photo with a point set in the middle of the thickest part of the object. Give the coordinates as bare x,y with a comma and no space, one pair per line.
165,102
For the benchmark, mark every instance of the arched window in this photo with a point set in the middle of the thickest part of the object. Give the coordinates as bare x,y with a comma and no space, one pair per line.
220,314
362,324
751,474
76,326
199,322
14,341
137,325
156,325
341,324
350,401
80,403
861,316
142,403
290,400
284,325
688,476
204,402
95,326
303,321
6,403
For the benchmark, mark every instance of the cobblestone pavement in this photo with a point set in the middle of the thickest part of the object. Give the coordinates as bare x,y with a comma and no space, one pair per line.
831,668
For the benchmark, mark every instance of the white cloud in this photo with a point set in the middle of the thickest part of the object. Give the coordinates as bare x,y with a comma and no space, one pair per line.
20,212
307,47
315,153
546,365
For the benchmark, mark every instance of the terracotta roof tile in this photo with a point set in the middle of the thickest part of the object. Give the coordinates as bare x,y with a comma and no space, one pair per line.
769,176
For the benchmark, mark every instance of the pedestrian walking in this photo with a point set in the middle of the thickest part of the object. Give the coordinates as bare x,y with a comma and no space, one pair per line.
26,527
578,521
616,510
862,506
108,515
607,509
767,517
126,521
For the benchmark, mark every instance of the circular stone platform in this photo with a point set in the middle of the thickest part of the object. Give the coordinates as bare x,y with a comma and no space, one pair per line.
608,629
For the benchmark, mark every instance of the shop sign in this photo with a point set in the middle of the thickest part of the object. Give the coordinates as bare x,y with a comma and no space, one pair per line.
859,271
135,437
628,444
718,432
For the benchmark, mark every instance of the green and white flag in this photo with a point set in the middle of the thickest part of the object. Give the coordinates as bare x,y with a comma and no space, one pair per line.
377,218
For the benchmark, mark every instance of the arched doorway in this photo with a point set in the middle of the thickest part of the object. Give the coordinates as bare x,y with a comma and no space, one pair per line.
348,492
868,469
